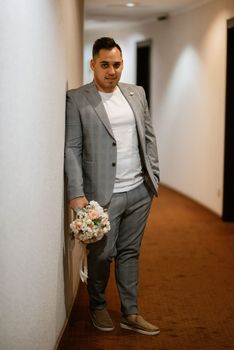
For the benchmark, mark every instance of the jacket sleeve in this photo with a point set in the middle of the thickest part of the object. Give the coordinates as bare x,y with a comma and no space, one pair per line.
150,140
73,149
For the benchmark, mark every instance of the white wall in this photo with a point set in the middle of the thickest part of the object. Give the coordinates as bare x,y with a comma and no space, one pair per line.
188,95
73,14
191,55
32,105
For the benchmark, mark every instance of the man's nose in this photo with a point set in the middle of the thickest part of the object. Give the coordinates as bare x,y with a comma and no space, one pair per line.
111,70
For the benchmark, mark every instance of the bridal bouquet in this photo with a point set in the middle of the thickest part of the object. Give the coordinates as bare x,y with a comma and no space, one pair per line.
90,225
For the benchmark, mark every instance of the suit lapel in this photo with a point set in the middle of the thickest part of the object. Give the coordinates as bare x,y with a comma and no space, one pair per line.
133,100
96,101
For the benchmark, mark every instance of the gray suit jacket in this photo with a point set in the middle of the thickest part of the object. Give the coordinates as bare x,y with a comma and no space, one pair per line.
90,146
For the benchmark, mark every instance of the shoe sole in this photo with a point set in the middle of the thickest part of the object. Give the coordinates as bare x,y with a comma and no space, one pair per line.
104,329
125,326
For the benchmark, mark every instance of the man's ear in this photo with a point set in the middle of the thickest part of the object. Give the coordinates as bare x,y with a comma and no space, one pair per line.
92,64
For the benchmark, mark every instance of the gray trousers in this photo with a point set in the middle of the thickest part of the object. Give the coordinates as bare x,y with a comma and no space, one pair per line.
128,212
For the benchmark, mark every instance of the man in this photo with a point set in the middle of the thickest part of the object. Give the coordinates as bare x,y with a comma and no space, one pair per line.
111,157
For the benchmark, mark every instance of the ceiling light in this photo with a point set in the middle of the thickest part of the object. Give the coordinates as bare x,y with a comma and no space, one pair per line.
130,4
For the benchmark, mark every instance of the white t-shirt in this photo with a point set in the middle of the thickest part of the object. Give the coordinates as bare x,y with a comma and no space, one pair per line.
122,120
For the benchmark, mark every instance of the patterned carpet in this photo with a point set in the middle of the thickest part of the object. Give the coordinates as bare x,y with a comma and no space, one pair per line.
186,285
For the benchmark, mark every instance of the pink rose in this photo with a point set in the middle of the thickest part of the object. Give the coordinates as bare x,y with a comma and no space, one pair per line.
93,214
78,225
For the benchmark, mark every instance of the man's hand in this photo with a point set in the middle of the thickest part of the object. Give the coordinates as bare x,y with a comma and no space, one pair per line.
79,202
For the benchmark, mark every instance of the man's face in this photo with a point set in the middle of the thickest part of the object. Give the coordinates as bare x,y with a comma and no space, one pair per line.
107,67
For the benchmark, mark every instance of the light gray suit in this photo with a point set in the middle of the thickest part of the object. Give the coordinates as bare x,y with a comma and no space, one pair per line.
90,165
90,153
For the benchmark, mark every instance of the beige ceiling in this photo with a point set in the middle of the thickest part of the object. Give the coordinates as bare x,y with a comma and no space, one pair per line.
100,13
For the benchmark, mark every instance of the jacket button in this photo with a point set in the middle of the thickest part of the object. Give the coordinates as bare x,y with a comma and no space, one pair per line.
113,164
114,144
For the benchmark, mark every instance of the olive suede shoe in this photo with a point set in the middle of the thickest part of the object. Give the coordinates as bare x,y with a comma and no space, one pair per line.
137,323
101,320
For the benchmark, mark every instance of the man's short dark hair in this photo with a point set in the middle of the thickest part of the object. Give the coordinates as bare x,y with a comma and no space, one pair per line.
104,43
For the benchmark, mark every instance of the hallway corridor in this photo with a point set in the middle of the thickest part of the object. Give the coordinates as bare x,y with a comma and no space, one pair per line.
186,285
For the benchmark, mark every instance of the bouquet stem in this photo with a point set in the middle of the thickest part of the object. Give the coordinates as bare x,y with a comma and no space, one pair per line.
83,264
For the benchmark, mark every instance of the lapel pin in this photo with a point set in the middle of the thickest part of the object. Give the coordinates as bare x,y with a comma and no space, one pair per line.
131,93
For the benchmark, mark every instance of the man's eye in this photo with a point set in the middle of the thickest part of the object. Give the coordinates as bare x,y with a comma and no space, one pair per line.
116,65
104,65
